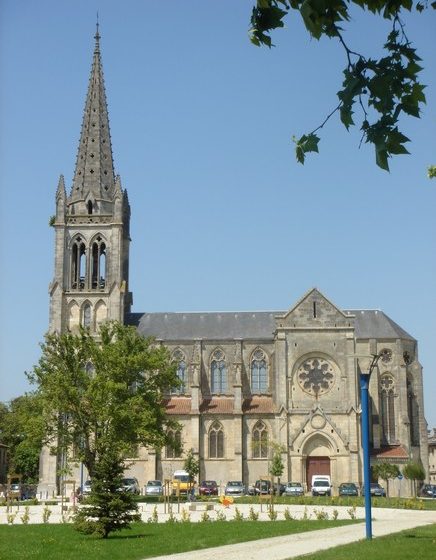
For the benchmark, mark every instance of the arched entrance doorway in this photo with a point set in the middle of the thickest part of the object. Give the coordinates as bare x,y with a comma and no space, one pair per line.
317,452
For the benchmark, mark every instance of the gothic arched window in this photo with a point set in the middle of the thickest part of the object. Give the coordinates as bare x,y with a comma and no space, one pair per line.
412,409
216,441
179,357
387,398
218,372
259,372
78,264
173,449
98,264
259,441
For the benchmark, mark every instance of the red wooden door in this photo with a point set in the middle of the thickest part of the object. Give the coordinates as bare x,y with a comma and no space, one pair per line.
316,465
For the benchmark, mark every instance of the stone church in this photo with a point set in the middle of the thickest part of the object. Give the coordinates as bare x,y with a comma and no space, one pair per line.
287,376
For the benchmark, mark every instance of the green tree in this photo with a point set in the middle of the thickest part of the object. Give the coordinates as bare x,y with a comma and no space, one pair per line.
107,508
415,472
382,90
103,396
22,431
386,471
277,466
191,466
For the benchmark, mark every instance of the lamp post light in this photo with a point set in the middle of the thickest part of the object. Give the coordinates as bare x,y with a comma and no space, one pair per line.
364,387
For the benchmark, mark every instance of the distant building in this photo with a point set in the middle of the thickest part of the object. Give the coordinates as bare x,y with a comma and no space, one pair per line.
432,456
249,378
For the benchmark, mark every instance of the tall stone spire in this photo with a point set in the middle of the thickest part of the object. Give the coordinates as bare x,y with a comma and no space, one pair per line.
94,175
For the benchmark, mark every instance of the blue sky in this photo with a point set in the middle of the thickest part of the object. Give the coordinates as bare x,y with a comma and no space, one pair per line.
223,218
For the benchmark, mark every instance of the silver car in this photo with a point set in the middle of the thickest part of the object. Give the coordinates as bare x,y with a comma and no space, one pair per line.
130,485
234,488
154,488
293,489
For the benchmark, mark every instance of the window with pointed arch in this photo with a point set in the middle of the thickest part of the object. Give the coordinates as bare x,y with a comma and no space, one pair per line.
412,410
387,402
173,450
179,358
218,372
259,372
216,441
98,263
259,441
78,264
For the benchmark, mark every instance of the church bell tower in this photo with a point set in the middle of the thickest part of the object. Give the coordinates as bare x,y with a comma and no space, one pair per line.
90,283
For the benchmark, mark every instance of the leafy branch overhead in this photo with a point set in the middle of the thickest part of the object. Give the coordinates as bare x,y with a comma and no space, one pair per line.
380,91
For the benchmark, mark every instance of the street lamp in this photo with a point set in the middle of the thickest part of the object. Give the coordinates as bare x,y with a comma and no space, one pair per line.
364,387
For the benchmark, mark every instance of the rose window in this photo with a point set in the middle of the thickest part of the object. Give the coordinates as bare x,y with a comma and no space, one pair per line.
316,376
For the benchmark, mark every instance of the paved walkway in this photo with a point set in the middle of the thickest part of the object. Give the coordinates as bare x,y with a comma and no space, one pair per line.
386,521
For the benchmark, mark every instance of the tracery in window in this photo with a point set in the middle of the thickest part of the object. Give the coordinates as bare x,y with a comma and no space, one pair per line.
412,409
259,441
98,264
259,372
78,264
179,357
387,400
218,372
216,441
173,450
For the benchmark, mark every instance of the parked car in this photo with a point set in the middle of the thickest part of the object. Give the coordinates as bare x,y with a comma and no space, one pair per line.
279,489
208,488
262,487
294,489
86,488
130,485
234,488
375,490
181,484
428,491
321,485
348,489
154,488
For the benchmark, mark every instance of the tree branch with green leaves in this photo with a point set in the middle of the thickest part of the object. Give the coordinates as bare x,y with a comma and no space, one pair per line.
380,90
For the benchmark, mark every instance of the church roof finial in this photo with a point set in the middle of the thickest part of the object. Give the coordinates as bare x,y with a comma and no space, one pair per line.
97,37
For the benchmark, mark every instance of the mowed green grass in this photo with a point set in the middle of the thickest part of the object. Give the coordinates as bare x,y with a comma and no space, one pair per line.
144,540
413,544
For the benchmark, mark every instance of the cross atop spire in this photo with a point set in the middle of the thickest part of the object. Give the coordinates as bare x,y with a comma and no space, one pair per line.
97,38
94,174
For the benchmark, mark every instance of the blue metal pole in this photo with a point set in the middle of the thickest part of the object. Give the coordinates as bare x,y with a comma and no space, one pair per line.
364,386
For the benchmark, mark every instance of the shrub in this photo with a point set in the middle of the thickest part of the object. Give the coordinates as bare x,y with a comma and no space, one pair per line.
321,514
272,514
238,515
185,516
205,517
154,517
335,514
46,512
11,518
25,517
220,515
253,516
352,512
288,515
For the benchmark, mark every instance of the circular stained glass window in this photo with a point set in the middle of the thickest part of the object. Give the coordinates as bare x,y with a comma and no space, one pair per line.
316,376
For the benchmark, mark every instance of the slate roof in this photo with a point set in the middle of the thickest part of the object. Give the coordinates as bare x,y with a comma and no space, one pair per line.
211,326
248,325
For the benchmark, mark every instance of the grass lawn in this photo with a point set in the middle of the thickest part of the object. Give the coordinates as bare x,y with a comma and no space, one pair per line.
413,544
144,540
